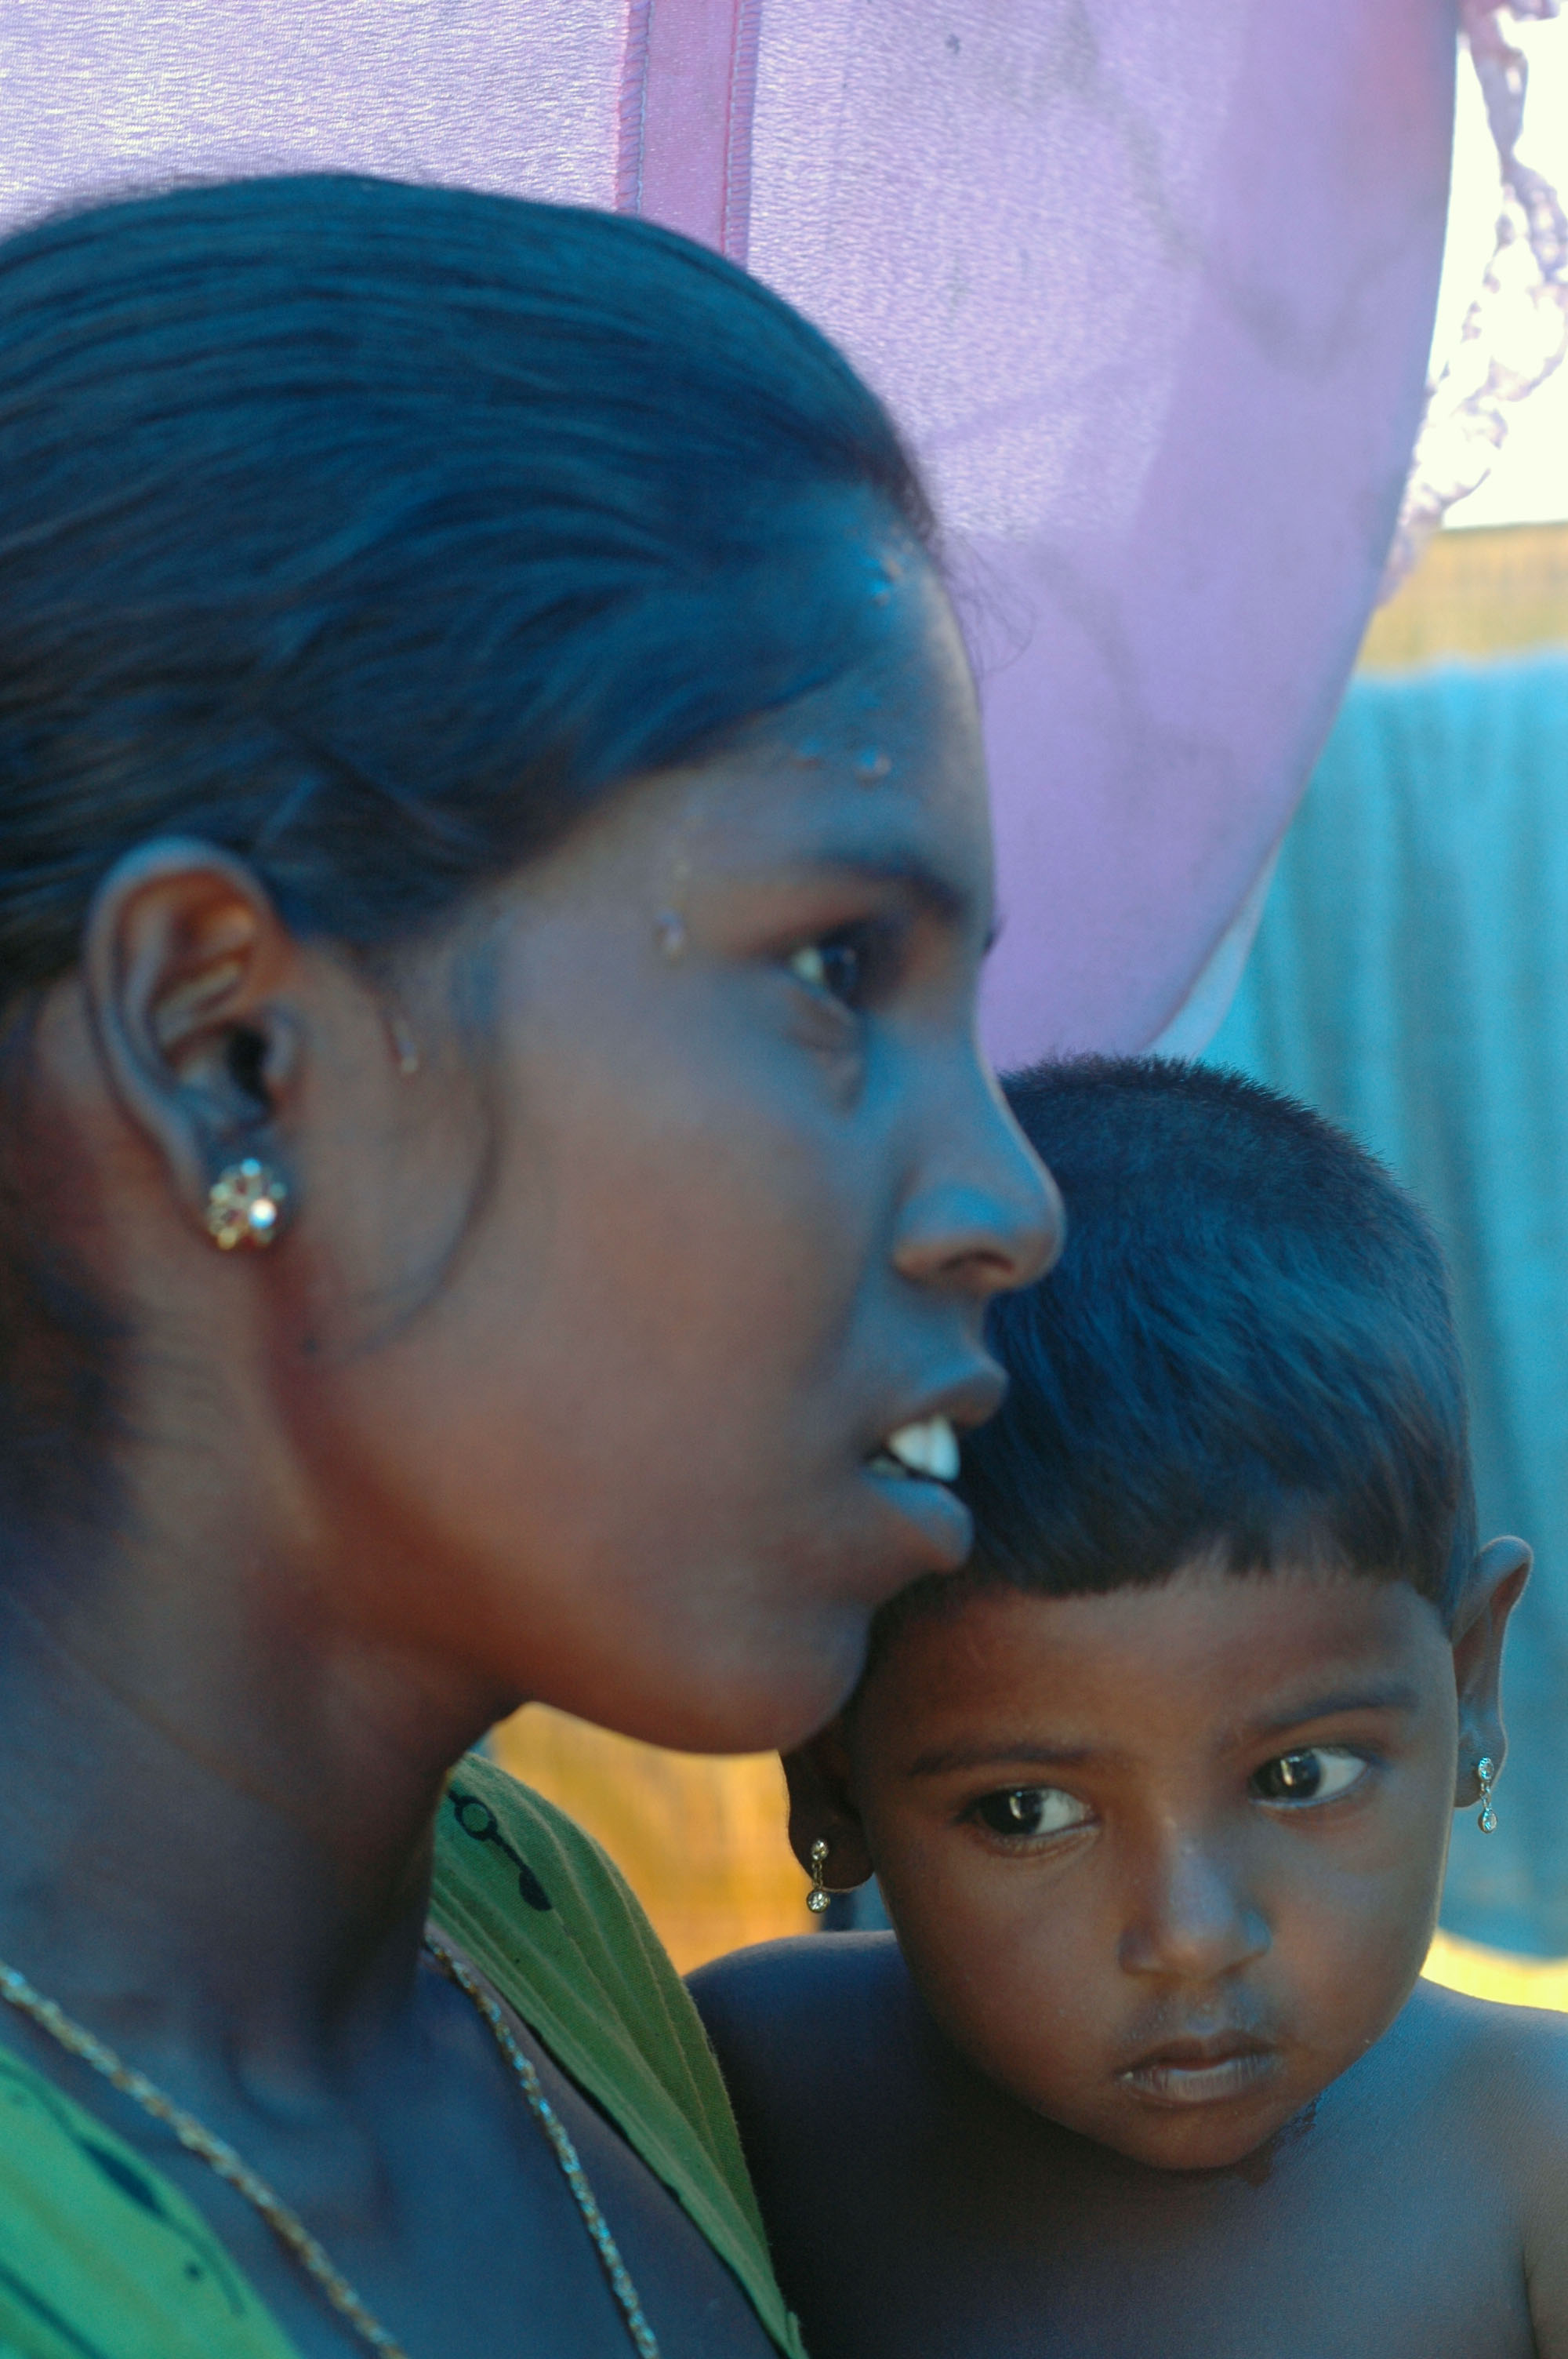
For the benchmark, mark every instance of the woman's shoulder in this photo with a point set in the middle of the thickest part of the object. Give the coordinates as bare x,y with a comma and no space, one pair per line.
546,1911
548,1917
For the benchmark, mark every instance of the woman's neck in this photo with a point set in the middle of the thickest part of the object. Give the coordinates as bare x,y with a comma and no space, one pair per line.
218,1829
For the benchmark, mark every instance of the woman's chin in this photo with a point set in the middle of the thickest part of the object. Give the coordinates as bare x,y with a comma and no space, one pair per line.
765,1697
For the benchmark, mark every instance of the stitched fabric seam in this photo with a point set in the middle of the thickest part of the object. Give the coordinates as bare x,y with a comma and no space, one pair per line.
736,234
633,108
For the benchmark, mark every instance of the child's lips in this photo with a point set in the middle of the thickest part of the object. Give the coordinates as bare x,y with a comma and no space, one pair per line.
1207,2072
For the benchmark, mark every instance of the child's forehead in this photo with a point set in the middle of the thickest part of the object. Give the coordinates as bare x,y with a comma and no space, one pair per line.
1205,1648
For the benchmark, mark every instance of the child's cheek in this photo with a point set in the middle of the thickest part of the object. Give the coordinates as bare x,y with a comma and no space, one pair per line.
1352,1920
1015,1970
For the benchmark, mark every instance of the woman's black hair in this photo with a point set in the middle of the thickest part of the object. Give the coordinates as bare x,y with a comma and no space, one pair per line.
372,533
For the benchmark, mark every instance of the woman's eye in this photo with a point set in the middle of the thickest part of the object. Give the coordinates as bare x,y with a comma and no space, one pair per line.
1319,1774
1032,1810
836,966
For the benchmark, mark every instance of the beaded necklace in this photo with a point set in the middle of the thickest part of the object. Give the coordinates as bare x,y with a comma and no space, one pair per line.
285,2225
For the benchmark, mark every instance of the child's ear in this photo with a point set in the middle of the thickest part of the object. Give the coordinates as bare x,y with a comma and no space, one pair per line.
821,1810
1497,1578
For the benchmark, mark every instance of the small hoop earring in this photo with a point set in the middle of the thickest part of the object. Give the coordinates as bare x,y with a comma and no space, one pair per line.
818,1898
1485,1770
244,1204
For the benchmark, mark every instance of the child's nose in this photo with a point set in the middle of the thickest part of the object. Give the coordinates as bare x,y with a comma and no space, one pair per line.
1192,1918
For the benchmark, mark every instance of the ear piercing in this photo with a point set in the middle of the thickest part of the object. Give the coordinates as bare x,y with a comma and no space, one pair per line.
819,1896
244,1204
404,1043
670,930
1485,1770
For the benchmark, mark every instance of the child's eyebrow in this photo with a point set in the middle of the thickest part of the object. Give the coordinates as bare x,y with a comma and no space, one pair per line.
1394,1696
943,1759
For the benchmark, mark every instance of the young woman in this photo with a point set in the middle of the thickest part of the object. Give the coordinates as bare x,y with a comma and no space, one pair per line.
500,1193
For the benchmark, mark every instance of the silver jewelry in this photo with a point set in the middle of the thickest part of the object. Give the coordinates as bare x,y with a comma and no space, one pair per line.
1485,1770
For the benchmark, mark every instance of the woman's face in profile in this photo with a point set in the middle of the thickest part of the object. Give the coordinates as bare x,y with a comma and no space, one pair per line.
696,1198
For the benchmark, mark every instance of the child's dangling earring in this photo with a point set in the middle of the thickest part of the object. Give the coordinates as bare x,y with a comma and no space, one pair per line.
1485,1770
819,1896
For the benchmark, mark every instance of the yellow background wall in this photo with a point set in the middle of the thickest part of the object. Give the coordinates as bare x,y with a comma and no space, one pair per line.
700,1839
1476,594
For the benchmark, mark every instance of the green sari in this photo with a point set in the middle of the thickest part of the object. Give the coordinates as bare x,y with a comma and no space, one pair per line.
101,2258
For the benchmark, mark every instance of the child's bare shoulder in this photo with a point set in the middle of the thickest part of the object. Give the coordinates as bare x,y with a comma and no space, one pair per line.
816,2030
1494,2048
1503,2073
1507,2093
819,1995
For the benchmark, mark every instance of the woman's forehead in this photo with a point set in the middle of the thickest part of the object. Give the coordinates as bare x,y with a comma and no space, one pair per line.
881,770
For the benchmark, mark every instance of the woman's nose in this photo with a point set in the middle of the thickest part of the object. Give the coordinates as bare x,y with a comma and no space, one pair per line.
986,1215
1192,1919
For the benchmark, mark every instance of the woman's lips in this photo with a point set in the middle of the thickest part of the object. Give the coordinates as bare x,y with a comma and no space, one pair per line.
1202,2071
923,1505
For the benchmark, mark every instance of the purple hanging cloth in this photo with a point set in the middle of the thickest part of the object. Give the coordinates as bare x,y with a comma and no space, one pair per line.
1150,284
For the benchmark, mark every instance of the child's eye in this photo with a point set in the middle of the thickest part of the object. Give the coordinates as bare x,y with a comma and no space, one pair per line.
836,966
1319,1774
1032,1810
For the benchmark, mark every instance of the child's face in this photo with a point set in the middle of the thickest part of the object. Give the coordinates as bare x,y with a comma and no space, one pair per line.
1164,1862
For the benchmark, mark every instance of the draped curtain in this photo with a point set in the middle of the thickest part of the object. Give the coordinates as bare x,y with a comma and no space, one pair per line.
1411,979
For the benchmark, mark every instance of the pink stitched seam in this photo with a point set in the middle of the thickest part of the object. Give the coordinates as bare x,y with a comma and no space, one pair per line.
633,108
736,229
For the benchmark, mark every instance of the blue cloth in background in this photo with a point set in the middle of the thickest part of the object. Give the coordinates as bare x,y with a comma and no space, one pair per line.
1410,980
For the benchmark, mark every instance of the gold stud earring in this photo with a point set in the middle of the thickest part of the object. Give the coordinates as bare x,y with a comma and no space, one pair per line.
1485,1770
244,1204
819,1896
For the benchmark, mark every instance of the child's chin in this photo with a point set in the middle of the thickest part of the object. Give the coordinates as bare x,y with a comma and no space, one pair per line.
1216,2137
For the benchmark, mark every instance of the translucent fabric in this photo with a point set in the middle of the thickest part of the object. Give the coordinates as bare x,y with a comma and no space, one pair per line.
1408,981
1150,284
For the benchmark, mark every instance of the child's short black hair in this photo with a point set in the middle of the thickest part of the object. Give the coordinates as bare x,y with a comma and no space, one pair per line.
1245,1349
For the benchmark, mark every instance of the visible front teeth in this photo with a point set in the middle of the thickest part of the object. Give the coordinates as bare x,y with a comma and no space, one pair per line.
929,1446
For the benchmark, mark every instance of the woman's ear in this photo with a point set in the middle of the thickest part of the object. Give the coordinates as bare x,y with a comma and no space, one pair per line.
1497,1580
821,1810
183,957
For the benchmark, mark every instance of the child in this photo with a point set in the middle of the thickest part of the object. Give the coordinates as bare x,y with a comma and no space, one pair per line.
1158,1792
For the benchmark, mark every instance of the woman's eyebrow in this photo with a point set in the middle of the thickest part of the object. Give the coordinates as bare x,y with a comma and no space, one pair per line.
1396,1695
925,885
